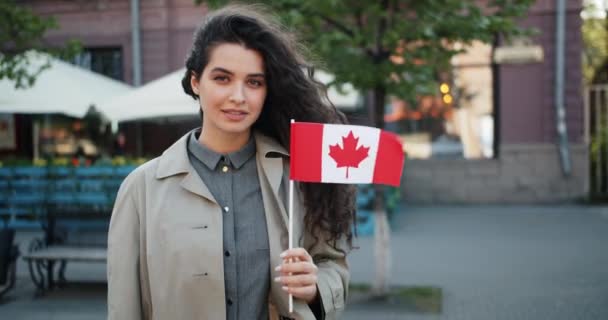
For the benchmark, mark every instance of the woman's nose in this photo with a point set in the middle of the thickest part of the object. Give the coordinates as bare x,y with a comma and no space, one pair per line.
238,94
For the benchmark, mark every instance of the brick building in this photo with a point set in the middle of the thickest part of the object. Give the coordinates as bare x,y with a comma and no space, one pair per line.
524,167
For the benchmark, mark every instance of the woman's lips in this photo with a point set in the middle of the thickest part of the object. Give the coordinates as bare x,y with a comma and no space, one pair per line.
235,115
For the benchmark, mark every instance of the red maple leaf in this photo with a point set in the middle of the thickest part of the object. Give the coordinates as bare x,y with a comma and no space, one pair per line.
350,155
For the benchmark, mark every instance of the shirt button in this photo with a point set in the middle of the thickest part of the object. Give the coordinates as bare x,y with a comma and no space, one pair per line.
227,253
226,209
229,301
225,169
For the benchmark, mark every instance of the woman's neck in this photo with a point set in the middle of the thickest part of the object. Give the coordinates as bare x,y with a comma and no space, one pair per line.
223,143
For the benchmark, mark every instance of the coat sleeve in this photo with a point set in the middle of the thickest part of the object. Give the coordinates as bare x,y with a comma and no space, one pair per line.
333,276
124,294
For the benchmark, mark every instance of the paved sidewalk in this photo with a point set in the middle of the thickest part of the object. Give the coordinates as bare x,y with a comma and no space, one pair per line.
491,262
500,262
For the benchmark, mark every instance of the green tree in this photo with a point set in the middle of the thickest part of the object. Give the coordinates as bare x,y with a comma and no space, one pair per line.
392,48
595,39
20,31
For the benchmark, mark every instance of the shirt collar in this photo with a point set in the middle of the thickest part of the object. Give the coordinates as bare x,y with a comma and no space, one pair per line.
211,158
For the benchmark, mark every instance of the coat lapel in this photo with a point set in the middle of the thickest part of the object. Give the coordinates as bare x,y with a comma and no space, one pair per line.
175,161
270,156
193,183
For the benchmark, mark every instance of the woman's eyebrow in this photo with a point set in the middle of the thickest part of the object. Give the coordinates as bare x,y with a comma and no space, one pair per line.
220,69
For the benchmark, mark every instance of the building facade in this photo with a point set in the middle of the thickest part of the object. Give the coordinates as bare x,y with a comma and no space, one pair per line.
527,166
524,166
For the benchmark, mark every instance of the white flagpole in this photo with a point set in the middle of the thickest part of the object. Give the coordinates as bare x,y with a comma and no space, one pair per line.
290,232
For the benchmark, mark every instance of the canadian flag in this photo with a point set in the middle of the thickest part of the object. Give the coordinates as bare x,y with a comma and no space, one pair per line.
332,153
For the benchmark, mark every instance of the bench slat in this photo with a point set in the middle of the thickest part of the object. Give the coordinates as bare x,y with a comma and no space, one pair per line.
84,254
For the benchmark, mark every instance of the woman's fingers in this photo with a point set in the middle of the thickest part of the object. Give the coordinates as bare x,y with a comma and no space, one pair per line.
301,292
298,274
296,253
303,286
299,280
297,267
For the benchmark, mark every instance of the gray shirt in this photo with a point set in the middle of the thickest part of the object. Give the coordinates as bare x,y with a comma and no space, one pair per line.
233,181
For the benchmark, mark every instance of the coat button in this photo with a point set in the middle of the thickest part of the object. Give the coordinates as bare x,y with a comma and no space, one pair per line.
227,253
229,301
225,169
226,209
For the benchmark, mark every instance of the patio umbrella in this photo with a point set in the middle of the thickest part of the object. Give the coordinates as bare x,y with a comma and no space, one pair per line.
165,97
162,97
62,88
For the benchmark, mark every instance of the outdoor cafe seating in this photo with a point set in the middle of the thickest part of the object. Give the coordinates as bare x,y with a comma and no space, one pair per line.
72,206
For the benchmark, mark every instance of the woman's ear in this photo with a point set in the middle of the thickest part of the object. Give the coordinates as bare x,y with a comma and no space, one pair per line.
194,82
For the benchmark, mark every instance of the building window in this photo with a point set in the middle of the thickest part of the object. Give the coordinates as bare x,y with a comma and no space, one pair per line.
107,61
457,122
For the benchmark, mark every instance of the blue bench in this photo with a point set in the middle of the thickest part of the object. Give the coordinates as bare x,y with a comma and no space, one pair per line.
73,207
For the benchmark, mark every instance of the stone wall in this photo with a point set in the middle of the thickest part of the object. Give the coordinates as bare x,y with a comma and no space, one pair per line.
523,173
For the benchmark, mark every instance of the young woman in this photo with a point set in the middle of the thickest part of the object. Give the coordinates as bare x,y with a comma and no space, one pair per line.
201,231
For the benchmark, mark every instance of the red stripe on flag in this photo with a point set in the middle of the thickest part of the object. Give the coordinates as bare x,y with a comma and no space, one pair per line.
389,160
305,149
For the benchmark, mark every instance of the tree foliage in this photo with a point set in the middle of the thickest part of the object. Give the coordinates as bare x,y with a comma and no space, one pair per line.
21,30
595,39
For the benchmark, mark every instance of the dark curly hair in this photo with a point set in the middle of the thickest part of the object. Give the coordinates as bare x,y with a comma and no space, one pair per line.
292,93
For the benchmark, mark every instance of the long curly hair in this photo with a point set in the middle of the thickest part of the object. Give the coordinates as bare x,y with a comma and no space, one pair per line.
292,93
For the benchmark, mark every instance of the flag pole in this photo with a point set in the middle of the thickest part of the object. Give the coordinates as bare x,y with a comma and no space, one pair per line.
290,232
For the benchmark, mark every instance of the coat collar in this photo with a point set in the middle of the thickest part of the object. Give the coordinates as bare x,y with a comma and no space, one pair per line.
174,161
270,155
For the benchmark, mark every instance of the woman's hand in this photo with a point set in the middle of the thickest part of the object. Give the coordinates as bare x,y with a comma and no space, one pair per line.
298,274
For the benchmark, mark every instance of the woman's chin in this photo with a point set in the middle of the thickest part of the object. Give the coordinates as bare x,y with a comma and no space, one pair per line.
236,129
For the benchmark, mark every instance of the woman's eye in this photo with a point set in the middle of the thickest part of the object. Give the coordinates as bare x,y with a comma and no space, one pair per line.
255,83
221,78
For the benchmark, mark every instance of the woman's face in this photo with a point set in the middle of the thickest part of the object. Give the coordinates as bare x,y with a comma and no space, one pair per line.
231,90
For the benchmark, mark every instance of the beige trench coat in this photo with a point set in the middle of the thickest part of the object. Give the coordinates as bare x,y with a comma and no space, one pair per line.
165,242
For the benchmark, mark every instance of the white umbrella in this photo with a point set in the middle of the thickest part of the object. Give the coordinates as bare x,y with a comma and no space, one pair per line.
159,98
165,97
62,88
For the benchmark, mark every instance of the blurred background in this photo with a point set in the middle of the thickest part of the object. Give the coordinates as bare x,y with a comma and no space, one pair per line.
502,107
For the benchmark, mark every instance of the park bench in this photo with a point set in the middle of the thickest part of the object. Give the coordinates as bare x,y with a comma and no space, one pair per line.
73,206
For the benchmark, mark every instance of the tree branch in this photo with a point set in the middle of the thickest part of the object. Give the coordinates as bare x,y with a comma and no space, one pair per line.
391,14
381,30
337,25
